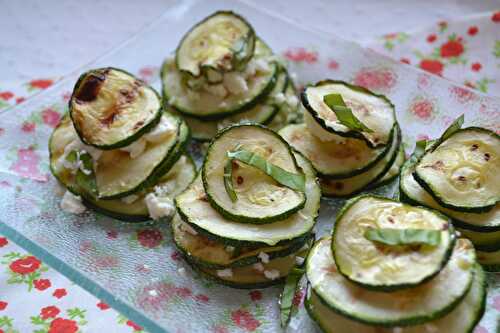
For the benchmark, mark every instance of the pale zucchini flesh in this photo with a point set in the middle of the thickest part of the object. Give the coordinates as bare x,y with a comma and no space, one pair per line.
429,301
111,108
375,111
462,319
194,208
413,192
463,171
333,159
352,185
222,42
489,260
260,198
381,267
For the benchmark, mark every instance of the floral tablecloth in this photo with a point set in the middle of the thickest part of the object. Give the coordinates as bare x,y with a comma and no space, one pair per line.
36,298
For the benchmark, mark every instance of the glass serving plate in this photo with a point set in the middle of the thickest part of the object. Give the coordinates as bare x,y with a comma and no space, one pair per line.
134,267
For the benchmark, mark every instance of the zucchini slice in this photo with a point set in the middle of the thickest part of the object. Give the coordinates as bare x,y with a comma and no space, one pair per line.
380,267
341,159
412,192
214,255
429,301
489,260
249,277
394,170
463,319
260,198
263,113
373,110
221,42
171,184
194,208
111,108
463,171
213,101
352,185
483,241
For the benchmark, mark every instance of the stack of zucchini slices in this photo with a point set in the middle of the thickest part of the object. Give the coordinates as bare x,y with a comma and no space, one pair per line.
350,135
118,151
392,267
459,175
223,74
248,217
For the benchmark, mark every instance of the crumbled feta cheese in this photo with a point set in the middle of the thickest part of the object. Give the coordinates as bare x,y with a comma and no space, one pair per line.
181,271
299,260
81,148
187,228
216,90
130,199
258,267
264,257
229,248
72,204
153,293
273,274
159,132
136,148
458,233
292,101
158,207
279,98
235,83
261,65
228,272
165,188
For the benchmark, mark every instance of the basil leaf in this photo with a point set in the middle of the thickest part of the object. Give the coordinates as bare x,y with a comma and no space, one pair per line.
344,114
291,180
85,176
455,126
287,305
228,180
389,236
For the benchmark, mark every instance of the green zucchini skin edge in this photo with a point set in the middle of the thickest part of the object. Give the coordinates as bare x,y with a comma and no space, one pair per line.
220,115
294,247
350,133
251,34
373,184
242,218
422,319
405,197
161,168
479,273
388,180
391,288
492,268
145,129
432,191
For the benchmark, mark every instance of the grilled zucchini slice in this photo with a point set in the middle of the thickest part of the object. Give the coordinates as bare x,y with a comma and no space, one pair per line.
381,267
111,108
350,186
194,208
429,301
260,199
375,111
489,260
463,319
411,191
393,171
203,103
173,182
462,172
483,241
221,42
343,158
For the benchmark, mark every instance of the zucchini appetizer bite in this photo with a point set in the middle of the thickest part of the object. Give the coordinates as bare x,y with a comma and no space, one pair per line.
350,135
385,245
482,228
232,248
224,74
135,182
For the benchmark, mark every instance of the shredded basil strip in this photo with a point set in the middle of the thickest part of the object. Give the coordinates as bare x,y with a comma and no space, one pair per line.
287,296
85,176
389,236
344,114
455,126
228,180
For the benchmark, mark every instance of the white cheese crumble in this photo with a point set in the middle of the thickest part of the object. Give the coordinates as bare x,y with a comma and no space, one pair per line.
216,89
258,267
72,204
292,101
273,274
130,199
228,272
299,260
165,188
80,148
159,132
136,148
153,293
279,98
158,207
235,83
264,257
